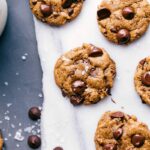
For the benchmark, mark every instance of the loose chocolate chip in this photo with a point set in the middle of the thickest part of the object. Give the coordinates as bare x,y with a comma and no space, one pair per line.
103,13
146,78
34,113
117,114
46,10
123,36
67,3
70,11
118,133
138,140
76,100
58,148
78,86
34,141
95,52
110,147
128,13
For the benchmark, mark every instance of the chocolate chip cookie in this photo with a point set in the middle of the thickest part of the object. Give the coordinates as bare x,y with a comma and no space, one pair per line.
142,80
85,74
56,12
119,131
123,21
1,141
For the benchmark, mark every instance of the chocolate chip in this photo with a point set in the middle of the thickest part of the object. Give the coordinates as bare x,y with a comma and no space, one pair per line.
117,114
46,10
114,30
94,72
146,78
34,141
128,13
118,133
64,94
67,3
110,147
76,100
95,52
34,2
34,113
103,13
70,11
123,36
78,86
58,148
138,140
142,62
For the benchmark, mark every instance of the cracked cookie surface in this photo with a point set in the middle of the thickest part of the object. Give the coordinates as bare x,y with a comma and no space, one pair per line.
119,131
56,12
142,80
85,74
123,21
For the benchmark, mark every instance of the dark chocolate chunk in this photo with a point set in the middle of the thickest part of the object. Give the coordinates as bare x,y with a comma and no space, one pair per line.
103,13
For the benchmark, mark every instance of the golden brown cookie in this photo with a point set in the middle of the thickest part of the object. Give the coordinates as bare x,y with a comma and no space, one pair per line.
56,12
123,21
85,74
1,141
119,131
142,80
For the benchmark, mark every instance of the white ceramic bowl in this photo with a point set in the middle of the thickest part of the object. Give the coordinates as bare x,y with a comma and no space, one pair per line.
3,15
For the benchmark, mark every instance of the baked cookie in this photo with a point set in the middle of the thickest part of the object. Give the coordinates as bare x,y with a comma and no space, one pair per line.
123,21
119,131
142,80
85,74
1,141
56,12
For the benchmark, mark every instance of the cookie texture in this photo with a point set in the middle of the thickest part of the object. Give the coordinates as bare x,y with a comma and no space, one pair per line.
1,141
142,80
56,12
123,21
85,74
119,131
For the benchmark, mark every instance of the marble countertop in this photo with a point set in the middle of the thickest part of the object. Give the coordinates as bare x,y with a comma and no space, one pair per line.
74,127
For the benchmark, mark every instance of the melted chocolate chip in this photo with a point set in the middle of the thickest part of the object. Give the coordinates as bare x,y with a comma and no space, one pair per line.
142,62
138,140
103,13
110,147
58,148
117,114
128,13
70,11
123,36
34,2
114,30
67,3
34,141
118,133
146,78
46,10
76,100
34,113
95,52
78,86
94,72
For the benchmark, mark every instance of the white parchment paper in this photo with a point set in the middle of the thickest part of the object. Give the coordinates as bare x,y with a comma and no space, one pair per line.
71,127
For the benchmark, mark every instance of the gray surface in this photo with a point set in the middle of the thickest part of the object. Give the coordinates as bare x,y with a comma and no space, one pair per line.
23,89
